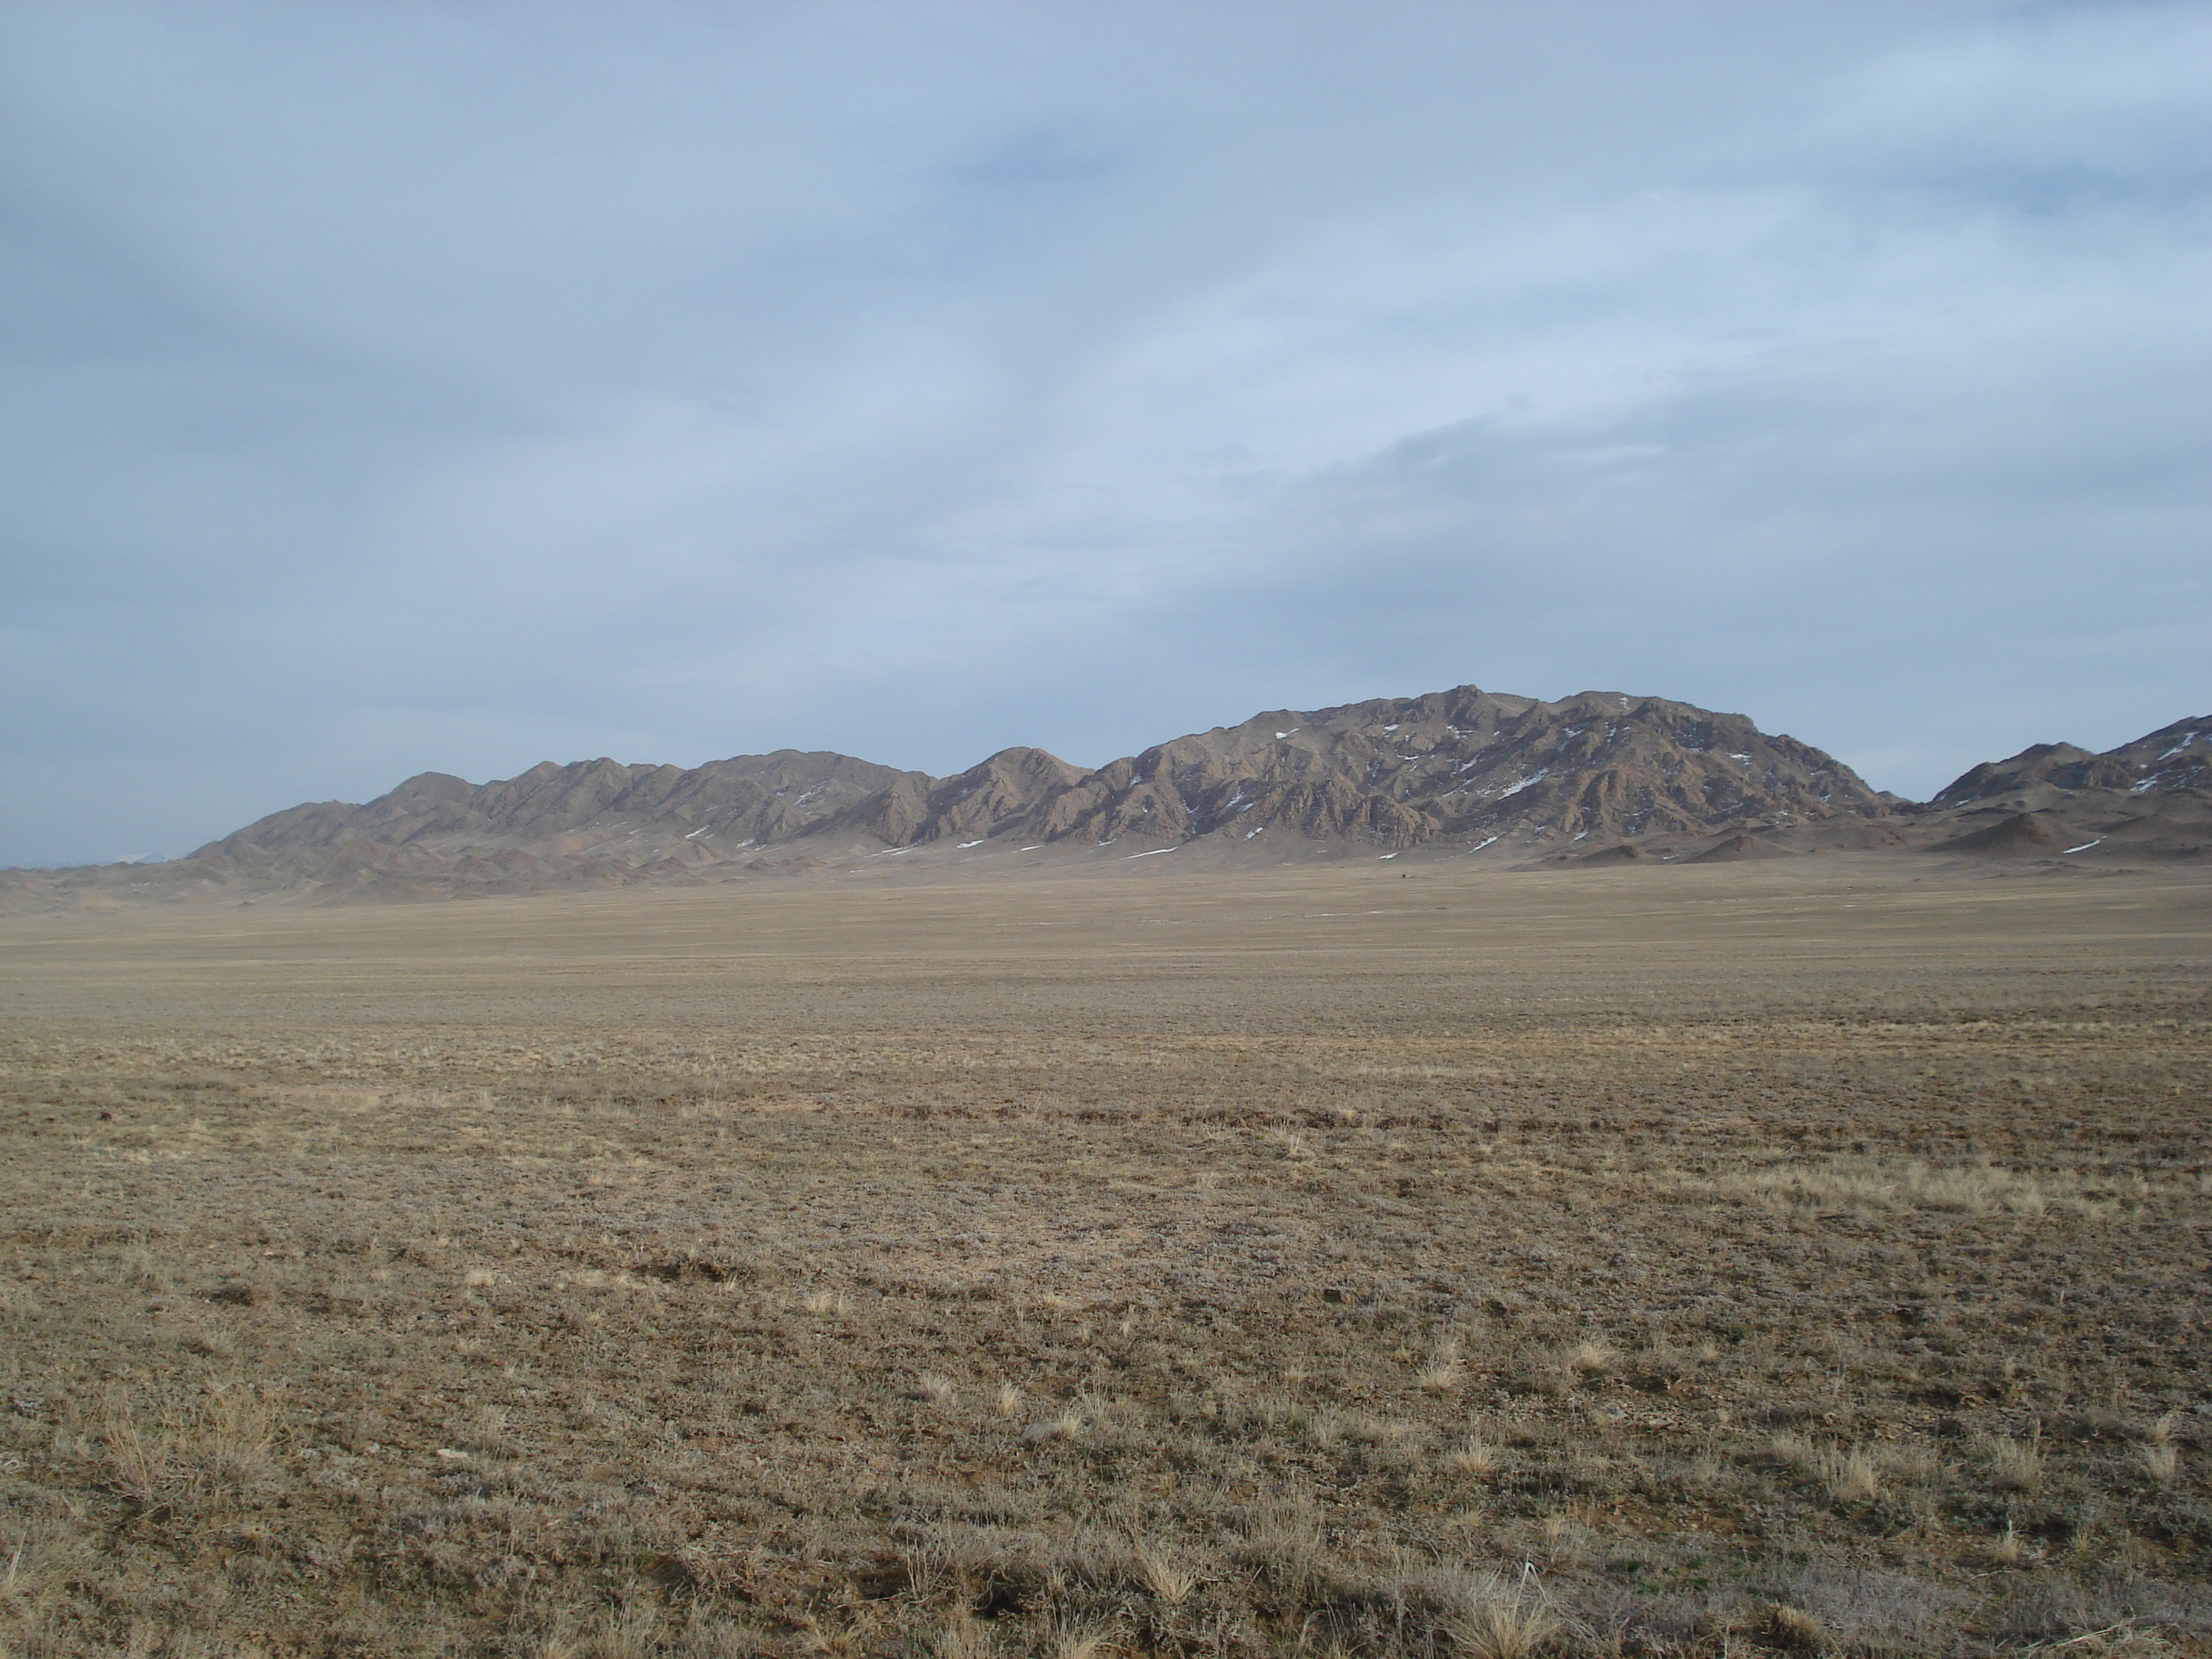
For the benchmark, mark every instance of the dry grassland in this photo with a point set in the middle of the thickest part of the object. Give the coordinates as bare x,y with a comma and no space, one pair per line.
1784,1258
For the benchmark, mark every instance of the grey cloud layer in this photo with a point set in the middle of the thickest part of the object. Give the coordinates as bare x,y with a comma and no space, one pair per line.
394,387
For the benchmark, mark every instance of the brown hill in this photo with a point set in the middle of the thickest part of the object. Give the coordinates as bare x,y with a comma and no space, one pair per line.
2021,832
2176,757
1465,767
2148,799
1599,778
745,800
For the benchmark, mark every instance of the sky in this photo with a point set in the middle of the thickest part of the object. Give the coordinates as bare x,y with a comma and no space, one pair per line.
399,385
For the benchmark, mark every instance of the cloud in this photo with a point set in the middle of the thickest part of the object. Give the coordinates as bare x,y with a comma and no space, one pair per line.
460,386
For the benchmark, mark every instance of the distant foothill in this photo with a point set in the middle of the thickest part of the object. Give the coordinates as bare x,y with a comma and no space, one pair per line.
1602,778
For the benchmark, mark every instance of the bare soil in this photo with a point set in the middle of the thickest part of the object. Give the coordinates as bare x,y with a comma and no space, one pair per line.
1793,1257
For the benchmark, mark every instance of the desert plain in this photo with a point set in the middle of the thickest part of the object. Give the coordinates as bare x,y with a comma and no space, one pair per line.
1363,1259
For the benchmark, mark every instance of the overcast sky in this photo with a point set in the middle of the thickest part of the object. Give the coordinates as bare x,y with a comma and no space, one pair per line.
399,387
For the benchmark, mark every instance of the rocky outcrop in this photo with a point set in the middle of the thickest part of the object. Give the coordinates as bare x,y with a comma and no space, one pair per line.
1466,765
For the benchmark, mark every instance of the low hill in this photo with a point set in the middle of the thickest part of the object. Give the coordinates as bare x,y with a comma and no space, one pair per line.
742,801
2148,799
2176,757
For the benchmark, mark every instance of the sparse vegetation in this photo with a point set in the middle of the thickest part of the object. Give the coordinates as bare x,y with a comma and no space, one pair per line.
1257,1298
2016,1465
1851,1477
1476,1457
1500,1617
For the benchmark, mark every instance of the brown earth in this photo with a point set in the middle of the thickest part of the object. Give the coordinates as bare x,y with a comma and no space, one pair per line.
2020,832
1789,1255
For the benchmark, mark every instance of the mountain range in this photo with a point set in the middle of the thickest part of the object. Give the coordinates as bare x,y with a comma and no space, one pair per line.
1602,777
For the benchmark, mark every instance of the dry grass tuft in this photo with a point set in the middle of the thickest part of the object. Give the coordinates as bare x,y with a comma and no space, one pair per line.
1443,1372
1081,1640
1851,1477
223,1444
1593,1357
963,1636
1793,1451
2159,1459
1476,1457
1796,1630
634,1632
2016,1465
1502,1618
1168,1580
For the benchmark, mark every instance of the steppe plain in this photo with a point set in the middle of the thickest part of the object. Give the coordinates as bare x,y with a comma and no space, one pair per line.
1373,1259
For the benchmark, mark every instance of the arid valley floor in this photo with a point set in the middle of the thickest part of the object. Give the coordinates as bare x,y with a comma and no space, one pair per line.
1806,1256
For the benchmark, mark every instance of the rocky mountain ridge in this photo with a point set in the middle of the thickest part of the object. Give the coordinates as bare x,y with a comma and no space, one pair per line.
2176,757
1600,777
1467,768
